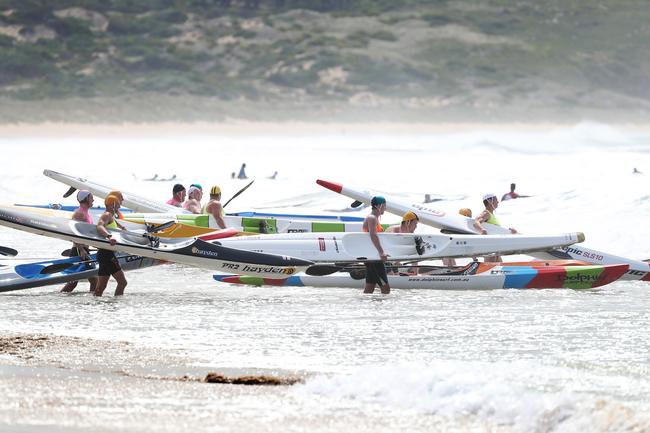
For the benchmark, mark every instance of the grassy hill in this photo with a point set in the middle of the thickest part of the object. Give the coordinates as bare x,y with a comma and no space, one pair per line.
156,60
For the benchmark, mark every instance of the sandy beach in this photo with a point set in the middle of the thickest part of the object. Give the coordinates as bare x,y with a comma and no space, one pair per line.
274,129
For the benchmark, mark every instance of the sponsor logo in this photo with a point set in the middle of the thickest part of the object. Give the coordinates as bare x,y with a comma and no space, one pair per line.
321,244
199,252
268,270
297,231
580,278
437,213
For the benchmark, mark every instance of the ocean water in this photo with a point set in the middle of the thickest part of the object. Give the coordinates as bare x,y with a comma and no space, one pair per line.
461,361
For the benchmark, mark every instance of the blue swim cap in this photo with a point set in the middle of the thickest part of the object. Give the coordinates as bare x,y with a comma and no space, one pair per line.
377,200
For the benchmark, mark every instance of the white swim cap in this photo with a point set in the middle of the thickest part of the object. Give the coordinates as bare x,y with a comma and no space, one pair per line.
82,195
489,196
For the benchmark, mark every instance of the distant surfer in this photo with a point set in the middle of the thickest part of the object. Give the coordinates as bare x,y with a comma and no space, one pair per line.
168,179
178,196
194,196
635,171
274,175
155,176
491,202
82,213
214,207
512,194
242,172
108,263
376,270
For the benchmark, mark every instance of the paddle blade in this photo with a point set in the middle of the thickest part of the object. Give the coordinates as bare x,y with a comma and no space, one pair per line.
355,204
9,252
160,227
320,270
239,192
58,267
70,191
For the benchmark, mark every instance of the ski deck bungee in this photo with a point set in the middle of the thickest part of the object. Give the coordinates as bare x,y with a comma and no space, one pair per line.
28,275
473,277
638,270
192,252
131,201
354,247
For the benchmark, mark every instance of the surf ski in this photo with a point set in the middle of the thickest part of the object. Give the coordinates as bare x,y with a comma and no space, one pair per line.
29,275
471,277
132,201
192,252
355,247
638,270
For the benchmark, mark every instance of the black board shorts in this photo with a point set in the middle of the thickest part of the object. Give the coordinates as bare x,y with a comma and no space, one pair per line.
108,264
376,273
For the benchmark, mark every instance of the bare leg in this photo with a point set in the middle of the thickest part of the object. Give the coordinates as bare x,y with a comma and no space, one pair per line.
385,289
102,281
121,282
69,287
93,284
370,288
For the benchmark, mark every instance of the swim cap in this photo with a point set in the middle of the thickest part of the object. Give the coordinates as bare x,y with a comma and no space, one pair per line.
197,186
489,196
82,195
215,190
466,212
410,216
177,188
192,190
377,200
117,194
111,200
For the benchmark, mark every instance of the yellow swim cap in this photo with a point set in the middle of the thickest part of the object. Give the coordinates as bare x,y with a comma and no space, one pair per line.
117,194
215,190
111,200
465,212
410,216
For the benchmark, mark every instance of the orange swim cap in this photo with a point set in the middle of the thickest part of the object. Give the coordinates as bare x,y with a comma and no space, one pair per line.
465,212
111,200
117,194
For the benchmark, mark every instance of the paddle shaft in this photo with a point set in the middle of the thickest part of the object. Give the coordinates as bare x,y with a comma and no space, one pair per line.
239,192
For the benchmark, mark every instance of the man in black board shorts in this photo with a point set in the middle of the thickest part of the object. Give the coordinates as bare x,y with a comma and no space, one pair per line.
376,270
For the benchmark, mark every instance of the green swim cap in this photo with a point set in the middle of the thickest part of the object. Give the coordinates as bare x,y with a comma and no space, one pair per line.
377,200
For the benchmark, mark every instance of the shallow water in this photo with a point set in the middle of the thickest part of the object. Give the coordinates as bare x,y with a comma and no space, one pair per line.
466,361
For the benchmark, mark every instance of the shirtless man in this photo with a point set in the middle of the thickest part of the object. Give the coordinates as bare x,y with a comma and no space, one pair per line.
491,202
194,196
376,270
214,207
85,199
408,225
179,195
108,263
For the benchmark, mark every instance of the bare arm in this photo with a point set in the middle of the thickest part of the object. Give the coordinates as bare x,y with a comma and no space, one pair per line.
215,209
101,227
194,207
479,220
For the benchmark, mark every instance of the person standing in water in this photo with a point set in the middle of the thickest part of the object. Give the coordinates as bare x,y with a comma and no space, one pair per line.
376,270
179,195
214,207
194,196
512,194
108,263
242,172
82,213
408,225
450,261
490,202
